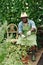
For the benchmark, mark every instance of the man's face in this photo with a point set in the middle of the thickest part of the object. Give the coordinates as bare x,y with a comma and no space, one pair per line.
24,19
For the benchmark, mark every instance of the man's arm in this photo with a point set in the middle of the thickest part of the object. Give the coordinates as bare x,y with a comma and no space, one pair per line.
33,26
20,28
33,29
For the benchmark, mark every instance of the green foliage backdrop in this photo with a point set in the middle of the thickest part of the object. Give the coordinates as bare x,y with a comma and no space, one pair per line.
10,10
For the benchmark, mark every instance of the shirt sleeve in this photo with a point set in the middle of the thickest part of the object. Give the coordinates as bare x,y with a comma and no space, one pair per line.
20,28
33,24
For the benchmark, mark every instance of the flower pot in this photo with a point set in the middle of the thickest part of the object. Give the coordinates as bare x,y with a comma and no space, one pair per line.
25,59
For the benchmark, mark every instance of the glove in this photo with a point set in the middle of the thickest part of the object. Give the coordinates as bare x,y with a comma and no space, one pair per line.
29,33
22,36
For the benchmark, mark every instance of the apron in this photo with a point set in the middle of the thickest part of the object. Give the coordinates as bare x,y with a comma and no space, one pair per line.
26,28
29,40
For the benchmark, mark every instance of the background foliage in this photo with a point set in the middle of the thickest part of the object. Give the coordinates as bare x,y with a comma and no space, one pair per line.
10,10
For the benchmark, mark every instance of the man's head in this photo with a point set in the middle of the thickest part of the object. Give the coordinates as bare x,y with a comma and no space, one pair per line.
24,17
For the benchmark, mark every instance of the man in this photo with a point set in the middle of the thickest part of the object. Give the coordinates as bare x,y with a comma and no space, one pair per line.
27,29
25,19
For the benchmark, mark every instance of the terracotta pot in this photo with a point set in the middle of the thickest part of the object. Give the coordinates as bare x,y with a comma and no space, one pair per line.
25,60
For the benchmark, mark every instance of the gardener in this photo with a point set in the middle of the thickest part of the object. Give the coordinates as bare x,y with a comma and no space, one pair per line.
27,31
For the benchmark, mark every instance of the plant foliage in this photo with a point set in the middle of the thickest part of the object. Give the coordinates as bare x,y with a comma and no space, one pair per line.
10,10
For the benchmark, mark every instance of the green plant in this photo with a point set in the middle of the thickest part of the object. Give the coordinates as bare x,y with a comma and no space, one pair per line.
10,10
10,54
3,30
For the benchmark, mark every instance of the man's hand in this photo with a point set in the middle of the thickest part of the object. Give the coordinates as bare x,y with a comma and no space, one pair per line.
29,33
22,36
